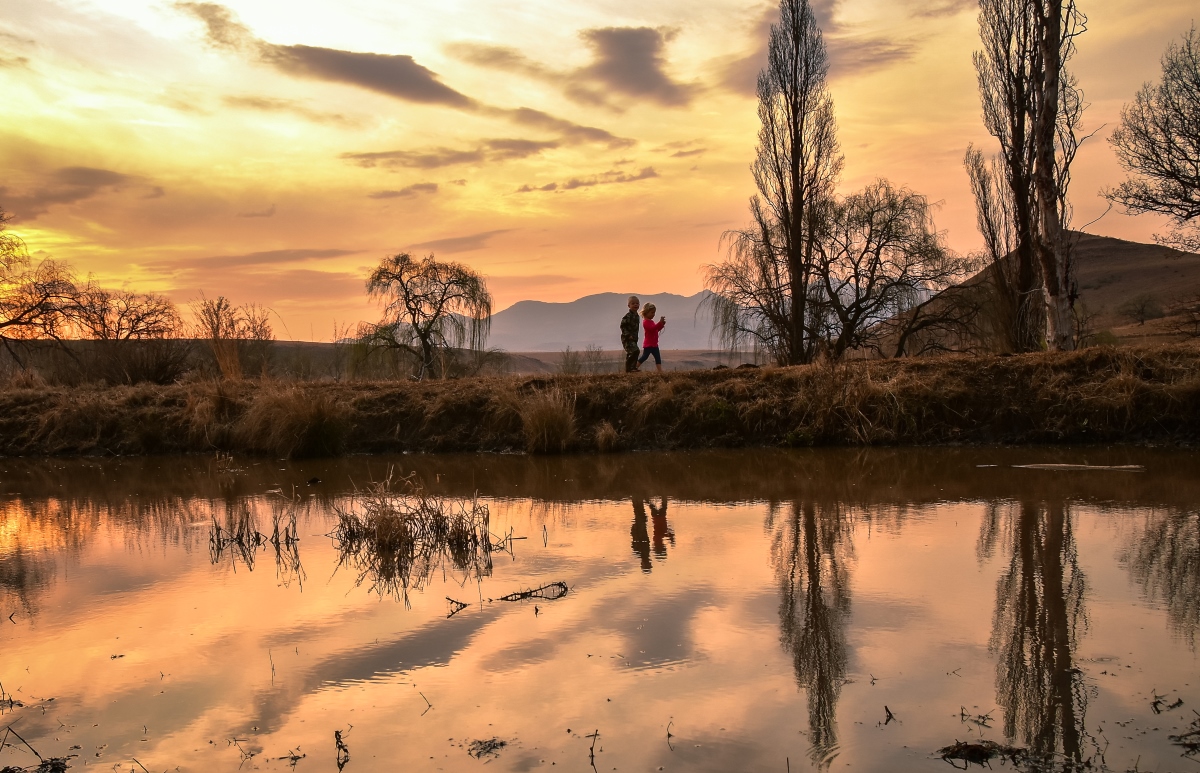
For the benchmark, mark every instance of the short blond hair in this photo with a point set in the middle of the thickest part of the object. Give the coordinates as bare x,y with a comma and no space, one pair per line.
634,299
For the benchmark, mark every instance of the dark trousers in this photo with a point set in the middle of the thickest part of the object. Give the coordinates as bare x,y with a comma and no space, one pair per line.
631,360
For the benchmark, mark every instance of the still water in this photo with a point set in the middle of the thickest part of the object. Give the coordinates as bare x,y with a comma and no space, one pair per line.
727,611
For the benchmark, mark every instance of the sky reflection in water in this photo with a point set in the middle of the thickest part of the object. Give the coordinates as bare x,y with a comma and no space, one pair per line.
763,606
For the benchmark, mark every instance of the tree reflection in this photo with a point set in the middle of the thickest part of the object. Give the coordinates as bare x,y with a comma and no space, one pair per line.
811,547
639,533
1165,561
1039,617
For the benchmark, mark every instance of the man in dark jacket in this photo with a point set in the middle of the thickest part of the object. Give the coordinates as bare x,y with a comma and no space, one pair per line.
630,323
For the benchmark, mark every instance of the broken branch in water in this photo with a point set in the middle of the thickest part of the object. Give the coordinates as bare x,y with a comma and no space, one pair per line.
550,592
890,715
343,751
456,606
1190,741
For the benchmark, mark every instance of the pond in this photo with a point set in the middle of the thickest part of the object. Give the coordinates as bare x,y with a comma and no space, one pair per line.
710,611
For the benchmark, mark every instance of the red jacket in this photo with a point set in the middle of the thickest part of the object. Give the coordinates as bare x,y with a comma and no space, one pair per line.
651,327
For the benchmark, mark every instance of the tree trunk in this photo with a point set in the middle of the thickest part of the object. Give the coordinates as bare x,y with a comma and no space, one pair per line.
1050,245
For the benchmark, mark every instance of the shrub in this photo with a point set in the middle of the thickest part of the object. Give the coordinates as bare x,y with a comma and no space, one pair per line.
294,422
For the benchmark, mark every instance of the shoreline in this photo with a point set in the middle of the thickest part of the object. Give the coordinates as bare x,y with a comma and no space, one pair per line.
1143,396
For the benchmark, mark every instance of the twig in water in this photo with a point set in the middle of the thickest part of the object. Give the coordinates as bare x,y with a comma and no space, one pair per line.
9,729
551,592
140,765
272,659
456,606
592,751
890,715
545,536
669,736
428,705
343,751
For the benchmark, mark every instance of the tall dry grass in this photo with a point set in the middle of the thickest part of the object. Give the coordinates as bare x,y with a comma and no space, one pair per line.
1099,395
548,421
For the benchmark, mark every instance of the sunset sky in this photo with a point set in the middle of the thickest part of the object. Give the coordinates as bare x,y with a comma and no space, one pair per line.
274,152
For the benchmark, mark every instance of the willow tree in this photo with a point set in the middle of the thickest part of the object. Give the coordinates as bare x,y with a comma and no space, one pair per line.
1158,141
430,308
1032,106
762,291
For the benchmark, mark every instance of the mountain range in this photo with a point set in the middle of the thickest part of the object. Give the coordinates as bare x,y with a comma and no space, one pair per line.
595,320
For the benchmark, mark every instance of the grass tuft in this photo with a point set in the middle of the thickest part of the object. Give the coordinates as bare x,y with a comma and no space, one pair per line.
548,421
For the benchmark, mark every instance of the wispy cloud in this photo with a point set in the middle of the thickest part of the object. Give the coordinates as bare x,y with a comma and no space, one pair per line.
434,158
276,105
268,212
468,243
612,177
247,260
407,192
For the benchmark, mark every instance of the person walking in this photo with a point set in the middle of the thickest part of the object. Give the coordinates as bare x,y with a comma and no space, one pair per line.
629,335
650,343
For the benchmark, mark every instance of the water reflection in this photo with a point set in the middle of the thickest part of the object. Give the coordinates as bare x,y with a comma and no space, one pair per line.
1039,617
639,535
1165,560
810,550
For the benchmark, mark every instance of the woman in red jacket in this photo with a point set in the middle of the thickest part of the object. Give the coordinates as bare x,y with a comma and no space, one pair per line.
650,341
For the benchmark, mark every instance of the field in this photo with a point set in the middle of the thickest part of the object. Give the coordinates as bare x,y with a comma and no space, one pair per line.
1145,395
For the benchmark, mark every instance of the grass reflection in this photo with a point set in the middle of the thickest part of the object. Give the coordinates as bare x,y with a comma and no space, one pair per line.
396,536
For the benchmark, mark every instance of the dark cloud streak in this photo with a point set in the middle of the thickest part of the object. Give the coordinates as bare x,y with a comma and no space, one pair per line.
401,77
66,185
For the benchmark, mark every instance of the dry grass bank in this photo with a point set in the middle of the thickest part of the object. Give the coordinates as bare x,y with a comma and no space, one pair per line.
1097,395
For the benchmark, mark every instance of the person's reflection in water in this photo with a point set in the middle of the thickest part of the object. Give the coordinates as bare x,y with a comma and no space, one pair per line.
662,530
1039,617
810,548
639,537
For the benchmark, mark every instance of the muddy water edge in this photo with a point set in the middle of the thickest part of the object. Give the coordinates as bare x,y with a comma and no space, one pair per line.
708,611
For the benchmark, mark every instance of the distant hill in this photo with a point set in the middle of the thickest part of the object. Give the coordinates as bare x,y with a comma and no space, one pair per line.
1113,271
537,326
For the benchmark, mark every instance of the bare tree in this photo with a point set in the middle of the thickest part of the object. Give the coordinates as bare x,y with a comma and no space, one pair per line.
122,315
429,308
879,261
1141,308
761,292
1033,107
1158,141
33,297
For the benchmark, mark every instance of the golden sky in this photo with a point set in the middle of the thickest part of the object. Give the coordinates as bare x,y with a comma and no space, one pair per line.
274,152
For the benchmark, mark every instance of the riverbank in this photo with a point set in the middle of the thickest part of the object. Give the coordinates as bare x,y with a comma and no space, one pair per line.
1099,395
